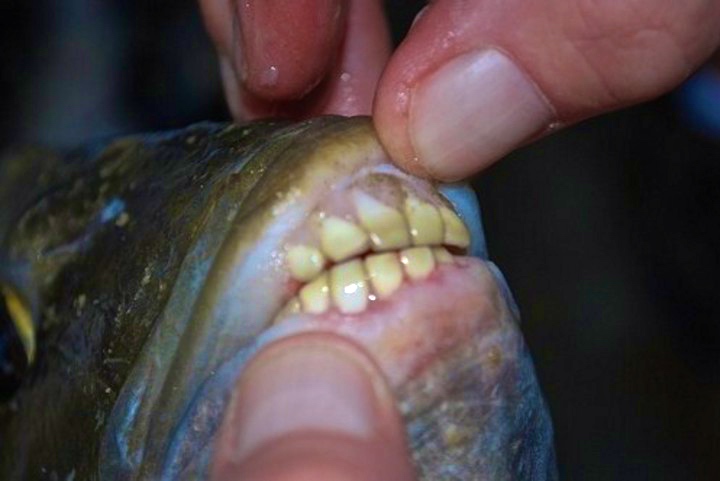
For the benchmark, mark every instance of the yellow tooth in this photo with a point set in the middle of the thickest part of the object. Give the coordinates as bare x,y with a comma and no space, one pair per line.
385,224
385,273
341,239
349,287
292,307
442,256
456,234
315,296
426,226
305,262
418,262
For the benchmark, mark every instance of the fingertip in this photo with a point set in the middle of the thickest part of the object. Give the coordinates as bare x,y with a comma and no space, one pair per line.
473,110
287,47
391,124
312,406
300,59
448,113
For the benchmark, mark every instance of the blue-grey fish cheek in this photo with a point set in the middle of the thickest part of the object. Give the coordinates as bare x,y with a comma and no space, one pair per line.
465,202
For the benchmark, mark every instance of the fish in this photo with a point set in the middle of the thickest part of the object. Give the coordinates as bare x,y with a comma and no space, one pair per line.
139,275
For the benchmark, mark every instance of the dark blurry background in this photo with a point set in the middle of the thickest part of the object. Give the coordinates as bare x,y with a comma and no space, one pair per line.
609,233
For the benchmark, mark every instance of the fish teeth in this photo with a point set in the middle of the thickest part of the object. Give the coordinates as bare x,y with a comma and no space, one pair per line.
456,234
385,273
305,262
385,225
341,239
408,243
426,224
418,262
315,296
293,306
442,255
349,287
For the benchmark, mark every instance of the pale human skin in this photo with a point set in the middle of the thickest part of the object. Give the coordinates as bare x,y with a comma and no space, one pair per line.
514,70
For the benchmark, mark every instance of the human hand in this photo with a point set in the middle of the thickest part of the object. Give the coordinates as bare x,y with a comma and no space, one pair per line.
471,81
312,407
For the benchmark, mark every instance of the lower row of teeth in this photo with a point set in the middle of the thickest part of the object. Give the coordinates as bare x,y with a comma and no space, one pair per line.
350,286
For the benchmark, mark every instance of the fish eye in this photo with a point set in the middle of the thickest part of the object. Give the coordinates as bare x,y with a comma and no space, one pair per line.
17,340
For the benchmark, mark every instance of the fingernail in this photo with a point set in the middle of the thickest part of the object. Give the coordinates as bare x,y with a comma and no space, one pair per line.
472,111
307,387
278,63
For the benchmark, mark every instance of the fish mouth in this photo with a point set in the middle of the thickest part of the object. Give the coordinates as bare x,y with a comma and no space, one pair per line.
382,259
334,238
354,246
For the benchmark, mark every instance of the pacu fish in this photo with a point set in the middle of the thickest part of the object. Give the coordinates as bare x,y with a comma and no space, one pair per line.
139,275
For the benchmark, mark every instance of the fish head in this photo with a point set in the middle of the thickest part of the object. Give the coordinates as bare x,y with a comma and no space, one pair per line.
153,273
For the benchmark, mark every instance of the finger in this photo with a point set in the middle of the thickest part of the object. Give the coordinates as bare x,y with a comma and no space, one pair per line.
298,59
475,79
311,407
350,86
280,50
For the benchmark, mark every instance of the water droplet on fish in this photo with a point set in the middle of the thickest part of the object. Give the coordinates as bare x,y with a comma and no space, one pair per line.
345,77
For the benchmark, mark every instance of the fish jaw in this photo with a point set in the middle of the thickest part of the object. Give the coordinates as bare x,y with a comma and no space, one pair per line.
334,194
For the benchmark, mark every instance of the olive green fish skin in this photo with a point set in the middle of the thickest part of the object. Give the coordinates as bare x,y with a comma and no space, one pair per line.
126,213
124,251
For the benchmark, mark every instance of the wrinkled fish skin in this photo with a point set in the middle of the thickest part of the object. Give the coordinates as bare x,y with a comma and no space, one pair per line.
112,243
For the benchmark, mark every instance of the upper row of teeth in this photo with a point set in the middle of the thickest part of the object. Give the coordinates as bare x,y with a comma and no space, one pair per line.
381,228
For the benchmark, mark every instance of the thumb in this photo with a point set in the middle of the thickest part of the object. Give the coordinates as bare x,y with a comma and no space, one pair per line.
475,79
309,407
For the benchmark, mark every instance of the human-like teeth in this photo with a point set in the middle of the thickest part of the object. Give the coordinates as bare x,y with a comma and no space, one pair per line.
426,225
385,224
293,306
315,296
385,273
305,262
341,239
418,262
456,234
442,256
349,287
